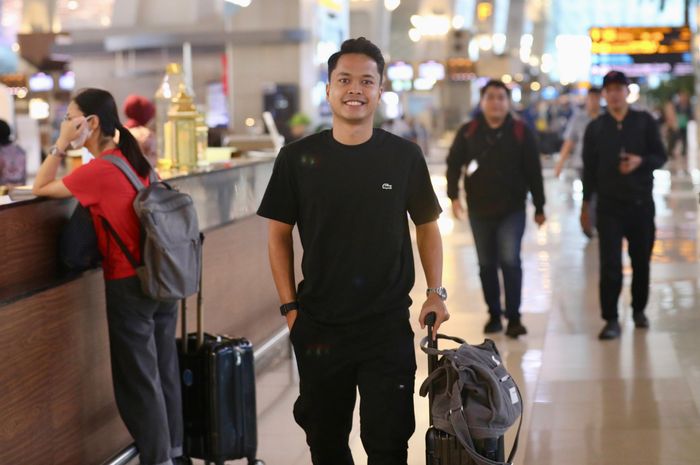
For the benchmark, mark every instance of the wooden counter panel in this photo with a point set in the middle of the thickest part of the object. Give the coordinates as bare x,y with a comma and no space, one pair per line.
56,393
29,245
56,398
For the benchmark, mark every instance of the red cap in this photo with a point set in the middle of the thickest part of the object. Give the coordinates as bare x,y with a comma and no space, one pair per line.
139,110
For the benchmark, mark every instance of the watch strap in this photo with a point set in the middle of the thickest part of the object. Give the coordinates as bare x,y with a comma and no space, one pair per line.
288,307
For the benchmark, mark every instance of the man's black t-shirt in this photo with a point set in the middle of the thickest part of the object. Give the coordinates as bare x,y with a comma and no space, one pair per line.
350,204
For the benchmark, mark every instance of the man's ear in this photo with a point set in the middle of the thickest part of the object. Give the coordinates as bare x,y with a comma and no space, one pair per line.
328,91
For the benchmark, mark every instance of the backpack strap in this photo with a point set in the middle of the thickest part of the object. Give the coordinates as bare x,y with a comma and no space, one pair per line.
128,171
461,428
431,351
472,126
120,242
519,130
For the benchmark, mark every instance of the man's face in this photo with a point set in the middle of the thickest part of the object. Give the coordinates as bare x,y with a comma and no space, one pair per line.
354,88
616,96
495,103
593,103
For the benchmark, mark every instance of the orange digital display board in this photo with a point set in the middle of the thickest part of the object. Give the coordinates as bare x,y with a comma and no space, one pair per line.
639,40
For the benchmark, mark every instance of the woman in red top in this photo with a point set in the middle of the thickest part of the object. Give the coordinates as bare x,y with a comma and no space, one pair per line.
145,368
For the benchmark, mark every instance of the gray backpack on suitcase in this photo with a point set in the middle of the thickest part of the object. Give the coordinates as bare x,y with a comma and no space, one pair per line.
474,396
171,243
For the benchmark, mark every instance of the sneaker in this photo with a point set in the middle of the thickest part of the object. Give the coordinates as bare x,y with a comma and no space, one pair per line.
640,320
515,328
611,330
494,325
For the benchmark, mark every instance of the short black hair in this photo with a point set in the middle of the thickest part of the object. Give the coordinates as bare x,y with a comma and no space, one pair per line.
359,45
497,84
595,90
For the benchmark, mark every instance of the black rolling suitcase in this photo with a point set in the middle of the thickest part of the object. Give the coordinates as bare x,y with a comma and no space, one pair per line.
218,395
442,448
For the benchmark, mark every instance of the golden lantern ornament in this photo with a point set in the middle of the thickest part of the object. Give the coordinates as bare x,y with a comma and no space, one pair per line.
181,131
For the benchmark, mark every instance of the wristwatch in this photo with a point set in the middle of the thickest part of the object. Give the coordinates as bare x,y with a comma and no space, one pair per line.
288,307
56,152
440,291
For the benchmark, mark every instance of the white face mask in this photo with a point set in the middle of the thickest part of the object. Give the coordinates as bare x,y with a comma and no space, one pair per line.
85,132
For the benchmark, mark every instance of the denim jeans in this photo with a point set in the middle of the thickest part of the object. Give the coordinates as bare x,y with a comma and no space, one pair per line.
498,242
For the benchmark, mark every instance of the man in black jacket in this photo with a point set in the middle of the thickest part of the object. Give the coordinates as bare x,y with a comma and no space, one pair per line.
502,164
621,150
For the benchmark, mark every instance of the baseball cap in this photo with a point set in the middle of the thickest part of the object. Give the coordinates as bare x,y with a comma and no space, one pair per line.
615,77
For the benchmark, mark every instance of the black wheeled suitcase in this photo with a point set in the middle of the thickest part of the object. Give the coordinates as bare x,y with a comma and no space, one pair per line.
442,448
218,395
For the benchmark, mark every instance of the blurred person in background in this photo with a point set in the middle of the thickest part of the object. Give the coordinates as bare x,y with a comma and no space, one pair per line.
399,127
13,160
684,114
670,130
572,149
621,150
502,165
140,112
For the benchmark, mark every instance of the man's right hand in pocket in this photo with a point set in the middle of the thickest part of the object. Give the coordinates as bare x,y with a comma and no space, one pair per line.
291,318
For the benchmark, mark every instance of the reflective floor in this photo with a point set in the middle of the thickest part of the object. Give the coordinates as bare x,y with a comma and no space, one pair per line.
635,400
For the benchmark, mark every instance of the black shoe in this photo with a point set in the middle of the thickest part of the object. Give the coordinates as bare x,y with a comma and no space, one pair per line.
640,320
494,325
515,328
611,330
182,460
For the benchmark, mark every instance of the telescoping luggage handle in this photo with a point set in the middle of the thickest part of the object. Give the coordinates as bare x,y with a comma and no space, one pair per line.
200,308
429,345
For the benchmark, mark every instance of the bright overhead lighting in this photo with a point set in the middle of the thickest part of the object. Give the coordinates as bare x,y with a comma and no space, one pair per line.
535,86
507,78
485,42
431,25
414,34
15,47
391,5
243,3
72,5
458,22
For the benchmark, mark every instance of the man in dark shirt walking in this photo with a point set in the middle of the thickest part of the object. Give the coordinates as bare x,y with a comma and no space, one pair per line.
621,150
349,189
502,164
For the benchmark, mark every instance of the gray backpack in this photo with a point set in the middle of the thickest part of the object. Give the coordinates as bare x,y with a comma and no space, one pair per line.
473,395
171,243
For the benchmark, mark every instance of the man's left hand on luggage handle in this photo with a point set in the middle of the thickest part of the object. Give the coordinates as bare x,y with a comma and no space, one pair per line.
434,304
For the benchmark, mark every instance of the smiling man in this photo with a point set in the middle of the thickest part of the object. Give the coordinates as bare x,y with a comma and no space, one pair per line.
349,190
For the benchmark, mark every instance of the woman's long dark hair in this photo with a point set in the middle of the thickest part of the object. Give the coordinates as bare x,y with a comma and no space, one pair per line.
101,103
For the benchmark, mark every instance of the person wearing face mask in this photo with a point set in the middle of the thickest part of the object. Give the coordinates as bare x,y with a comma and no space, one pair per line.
145,370
502,165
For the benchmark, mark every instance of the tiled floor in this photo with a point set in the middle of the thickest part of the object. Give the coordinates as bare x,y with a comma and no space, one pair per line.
631,401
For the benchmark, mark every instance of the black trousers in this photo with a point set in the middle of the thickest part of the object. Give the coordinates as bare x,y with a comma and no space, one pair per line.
378,358
145,370
635,222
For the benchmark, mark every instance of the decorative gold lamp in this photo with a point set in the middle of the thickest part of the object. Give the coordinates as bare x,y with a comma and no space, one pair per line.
181,131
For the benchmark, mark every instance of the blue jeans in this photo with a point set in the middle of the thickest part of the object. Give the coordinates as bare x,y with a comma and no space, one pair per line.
498,243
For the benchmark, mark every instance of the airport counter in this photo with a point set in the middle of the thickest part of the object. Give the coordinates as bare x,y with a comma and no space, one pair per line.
56,398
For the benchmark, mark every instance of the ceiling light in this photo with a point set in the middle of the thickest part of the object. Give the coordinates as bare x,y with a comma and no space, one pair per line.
72,5
391,5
